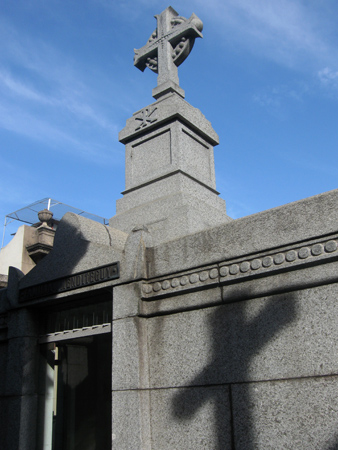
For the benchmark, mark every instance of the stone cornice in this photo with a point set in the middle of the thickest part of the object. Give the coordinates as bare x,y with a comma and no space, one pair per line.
287,258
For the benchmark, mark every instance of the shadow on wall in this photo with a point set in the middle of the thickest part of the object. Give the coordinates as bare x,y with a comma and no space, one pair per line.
333,446
238,334
70,247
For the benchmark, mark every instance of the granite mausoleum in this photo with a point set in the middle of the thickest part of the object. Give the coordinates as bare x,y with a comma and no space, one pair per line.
175,327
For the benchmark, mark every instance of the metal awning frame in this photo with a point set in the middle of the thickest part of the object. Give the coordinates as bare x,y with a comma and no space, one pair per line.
50,204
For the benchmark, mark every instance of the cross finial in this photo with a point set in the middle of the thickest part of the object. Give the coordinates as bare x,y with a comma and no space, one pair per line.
167,48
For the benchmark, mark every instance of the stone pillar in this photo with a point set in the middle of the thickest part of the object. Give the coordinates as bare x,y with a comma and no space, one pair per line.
130,383
21,380
170,174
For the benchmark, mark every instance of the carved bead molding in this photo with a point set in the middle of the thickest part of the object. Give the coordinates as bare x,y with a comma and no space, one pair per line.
225,272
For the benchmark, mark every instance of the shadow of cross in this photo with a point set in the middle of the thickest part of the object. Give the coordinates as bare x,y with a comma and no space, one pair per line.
238,334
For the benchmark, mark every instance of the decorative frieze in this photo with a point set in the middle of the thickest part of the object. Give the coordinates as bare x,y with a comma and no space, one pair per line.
225,272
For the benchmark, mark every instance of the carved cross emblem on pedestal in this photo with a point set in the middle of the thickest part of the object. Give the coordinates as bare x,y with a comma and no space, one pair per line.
146,117
169,45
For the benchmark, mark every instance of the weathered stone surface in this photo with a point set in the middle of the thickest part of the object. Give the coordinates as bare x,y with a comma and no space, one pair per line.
177,183
191,418
183,302
15,254
130,356
11,295
166,149
135,261
304,277
278,337
22,323
312,217
21,428
293,414
168,108
224,332
21,370
170,176
126,300
79,244
131,420
171,216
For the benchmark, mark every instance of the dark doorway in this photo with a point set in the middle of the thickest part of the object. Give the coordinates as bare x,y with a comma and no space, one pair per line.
76,397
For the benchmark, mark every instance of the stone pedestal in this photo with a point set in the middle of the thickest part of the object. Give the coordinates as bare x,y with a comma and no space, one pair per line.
42,243
170,175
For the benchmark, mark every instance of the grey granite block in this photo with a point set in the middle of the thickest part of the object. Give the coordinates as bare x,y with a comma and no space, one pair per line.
281,336
126,300
21,367
305,219
190,418
129,354
131,425
11,296
22,323
79,244
171,216
291,414
166,109
183,302
304,277
170,175
177,183
171,147
21,423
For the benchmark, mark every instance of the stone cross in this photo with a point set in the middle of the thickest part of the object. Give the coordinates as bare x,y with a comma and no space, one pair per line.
168,46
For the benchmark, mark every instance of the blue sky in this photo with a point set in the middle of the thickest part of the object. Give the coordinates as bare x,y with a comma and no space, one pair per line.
265,74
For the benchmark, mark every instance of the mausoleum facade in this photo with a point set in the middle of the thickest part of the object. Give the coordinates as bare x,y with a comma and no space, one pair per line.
175,327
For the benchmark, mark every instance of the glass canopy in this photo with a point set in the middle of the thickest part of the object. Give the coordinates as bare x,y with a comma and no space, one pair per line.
29,215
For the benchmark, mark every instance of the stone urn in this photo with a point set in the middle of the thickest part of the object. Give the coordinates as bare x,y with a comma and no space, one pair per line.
45,216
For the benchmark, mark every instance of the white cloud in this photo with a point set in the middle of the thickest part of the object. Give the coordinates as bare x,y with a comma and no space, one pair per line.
328,78
68,99
289,32
17,88
46,96
277,98
26,124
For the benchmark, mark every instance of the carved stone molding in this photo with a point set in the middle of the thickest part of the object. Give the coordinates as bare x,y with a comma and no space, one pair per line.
224,272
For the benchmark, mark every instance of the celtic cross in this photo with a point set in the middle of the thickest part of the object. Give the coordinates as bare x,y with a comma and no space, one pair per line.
168,46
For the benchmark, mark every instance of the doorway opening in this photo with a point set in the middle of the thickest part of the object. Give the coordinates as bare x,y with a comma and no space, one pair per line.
75,394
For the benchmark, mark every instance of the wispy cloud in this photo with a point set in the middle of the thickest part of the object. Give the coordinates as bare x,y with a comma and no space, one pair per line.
17,88
328,79
68,99
23,123
275,98
310,163
290,32
44,96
